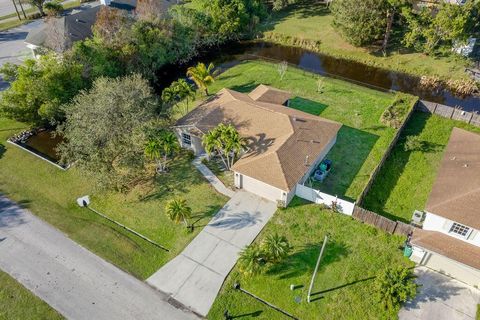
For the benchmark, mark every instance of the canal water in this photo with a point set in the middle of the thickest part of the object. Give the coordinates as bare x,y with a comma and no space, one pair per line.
351,71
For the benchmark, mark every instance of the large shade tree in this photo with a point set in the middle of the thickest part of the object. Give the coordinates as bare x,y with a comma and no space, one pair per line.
106,130
39,87
224,141
201,75
429,29
360,22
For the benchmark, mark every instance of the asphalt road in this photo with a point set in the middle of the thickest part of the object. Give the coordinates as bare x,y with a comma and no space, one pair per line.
71,279
12,47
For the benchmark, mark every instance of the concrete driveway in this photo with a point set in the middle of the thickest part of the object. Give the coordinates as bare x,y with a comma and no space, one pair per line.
441,298
71,279
196,275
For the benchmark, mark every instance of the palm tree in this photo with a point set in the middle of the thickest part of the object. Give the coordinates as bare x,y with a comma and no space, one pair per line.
276,247
152,151
184,91
225,141
201,75
178,210
161,148
251,260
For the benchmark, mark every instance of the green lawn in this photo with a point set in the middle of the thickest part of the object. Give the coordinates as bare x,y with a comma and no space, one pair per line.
51,193
362,140
17,303
405,181
312,21
354,256
11,20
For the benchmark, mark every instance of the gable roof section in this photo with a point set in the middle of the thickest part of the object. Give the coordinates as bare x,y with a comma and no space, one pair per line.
456,192
448,246
282,142
64,31
269,94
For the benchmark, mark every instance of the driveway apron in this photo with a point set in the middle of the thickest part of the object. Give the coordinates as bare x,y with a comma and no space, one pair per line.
195,277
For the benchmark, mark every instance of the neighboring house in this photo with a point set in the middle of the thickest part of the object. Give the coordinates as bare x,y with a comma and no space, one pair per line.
60,33
449,240
284,145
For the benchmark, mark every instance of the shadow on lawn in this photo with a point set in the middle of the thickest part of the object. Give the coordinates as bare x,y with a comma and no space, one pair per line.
352,148
304,9
394,167
182,175
341,286
308,106
304,260
2,150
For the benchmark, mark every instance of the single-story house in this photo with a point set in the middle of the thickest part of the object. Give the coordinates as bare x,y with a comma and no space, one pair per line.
449,240
59,34
284,145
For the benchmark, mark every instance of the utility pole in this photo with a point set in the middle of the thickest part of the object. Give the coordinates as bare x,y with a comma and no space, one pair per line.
316,268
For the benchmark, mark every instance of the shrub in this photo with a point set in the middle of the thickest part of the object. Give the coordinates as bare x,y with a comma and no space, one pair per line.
275,247
252,260
395,114
394,286
413,143
53,8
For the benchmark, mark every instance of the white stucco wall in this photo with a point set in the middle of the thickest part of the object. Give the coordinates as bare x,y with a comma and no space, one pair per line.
259,188
434,222
195,146
446,266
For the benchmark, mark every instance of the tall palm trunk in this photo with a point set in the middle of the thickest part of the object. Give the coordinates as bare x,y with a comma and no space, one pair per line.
388,31
21,7
16,10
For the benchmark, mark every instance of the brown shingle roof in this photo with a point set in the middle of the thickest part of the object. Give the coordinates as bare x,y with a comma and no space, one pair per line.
279,138
268,94
456,192
448,246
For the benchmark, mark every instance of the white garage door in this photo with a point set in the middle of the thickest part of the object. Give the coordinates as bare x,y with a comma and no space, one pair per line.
453,268
261,188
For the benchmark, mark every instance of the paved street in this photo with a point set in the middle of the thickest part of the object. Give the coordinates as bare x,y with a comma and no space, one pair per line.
196,275
441,298
71,279
12,47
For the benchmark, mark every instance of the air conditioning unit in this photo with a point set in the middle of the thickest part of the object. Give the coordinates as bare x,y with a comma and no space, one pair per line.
417,218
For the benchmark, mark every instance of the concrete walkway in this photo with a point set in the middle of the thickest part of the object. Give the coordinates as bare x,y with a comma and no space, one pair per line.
212,178
441,298
196,275
71,279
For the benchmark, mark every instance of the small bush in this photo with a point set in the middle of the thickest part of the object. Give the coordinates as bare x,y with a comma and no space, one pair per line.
395,114
252,260
34,16
395,286
276,247
53,8
413,143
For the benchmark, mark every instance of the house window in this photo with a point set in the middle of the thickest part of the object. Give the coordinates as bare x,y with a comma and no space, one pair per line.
459,229
186,139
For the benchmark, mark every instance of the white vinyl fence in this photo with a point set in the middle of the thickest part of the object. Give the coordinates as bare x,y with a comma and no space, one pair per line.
316,196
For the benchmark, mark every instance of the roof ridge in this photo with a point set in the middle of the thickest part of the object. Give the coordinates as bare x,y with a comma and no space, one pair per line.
477,189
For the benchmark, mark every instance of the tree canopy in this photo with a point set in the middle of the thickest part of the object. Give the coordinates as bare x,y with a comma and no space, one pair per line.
433,27
39,88
360,22
106,130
